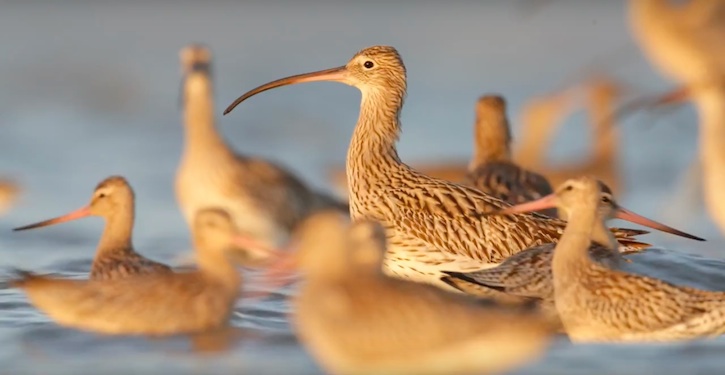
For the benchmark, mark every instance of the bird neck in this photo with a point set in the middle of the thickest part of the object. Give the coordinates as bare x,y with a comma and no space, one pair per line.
218,267
492,142
710,102
372,153
117,232
572,252
201,134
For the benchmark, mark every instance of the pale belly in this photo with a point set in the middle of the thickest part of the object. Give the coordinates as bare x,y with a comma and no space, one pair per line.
405,260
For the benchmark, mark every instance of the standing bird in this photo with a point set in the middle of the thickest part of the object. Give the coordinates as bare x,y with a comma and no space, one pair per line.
265,200
113,200
491,169
353,319
528,273
597,303
432,225
150,304
685,41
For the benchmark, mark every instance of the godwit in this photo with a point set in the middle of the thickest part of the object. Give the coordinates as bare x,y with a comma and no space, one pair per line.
113,200
491,169
685,41
596,303
353,319
149,304
528,273
265,200
9,192
432,225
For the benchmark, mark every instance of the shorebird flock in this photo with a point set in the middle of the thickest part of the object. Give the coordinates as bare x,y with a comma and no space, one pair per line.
438,270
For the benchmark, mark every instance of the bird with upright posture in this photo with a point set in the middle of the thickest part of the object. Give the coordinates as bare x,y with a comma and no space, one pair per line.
113,200
597,303
432,225
353,319
685,41
162,303
491,169
265,200
528,273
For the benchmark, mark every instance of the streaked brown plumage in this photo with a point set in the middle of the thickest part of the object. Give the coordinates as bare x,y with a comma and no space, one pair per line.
355,320
528,273
596,303
491,169
432,225
113,200
161,303
265,200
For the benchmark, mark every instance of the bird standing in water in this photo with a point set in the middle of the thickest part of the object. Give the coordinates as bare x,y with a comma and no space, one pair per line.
528,273
265,200
161,303
491,169
432,225
597,303
113,200
355,320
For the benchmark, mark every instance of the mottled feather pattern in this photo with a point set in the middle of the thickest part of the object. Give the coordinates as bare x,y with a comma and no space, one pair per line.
110,265
528,273
510,183
619,302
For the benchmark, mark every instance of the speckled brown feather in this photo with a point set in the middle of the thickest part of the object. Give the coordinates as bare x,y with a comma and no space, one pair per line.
491,169
114,200
526,274
124,263
597,303
432,225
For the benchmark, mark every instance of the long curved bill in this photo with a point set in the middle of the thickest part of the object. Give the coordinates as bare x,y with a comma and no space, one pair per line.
630,216
338,74
77,214
543,203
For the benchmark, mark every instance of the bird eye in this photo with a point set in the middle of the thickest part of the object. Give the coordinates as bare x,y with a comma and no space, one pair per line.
606,199
102,195
569,188
368,64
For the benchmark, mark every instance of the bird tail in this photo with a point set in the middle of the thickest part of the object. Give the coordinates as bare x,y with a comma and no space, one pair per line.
628,244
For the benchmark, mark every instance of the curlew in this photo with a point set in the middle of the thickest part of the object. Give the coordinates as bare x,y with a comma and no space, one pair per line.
432,225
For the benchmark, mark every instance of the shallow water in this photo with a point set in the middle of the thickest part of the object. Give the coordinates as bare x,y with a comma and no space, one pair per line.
90,90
